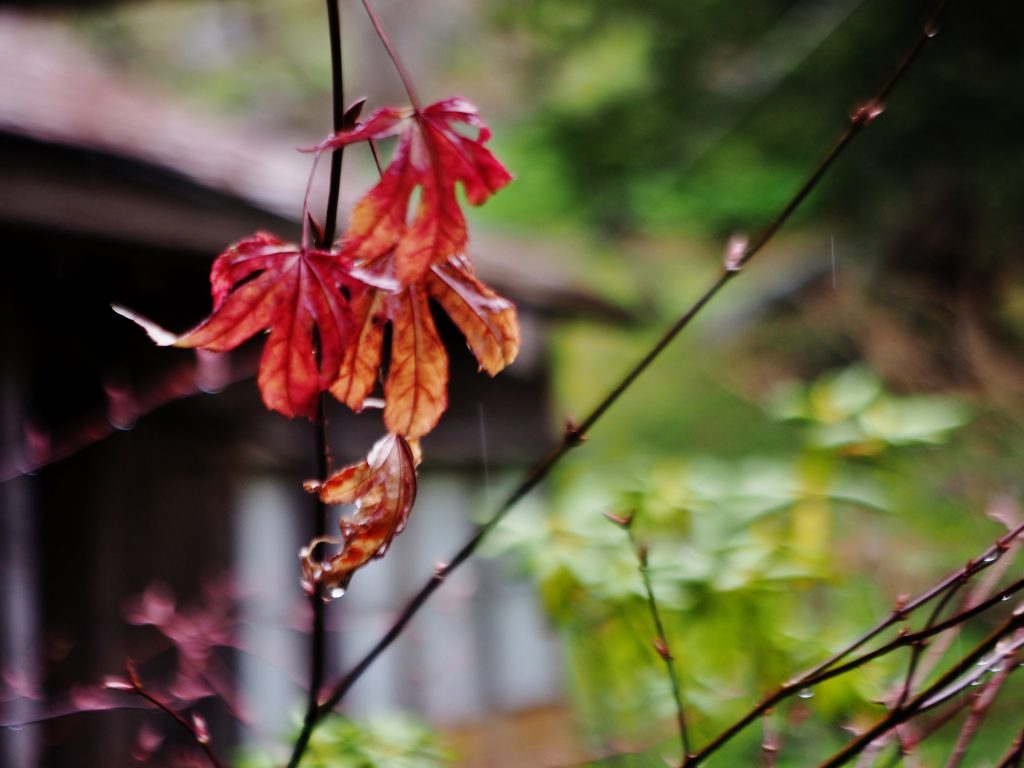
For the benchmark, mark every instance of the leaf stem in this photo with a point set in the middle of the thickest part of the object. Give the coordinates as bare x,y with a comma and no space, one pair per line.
403,73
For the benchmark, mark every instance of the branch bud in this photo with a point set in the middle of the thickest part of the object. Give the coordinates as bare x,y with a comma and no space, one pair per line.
662,648
866,113
735,252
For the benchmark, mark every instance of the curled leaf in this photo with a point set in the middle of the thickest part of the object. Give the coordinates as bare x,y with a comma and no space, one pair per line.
383,489
434,152
300,295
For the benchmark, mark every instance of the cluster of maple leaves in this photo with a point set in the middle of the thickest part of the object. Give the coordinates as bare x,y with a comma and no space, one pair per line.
325,311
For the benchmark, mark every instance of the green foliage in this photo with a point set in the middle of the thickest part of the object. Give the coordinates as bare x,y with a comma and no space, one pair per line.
385,742
745,556
850,411
689,116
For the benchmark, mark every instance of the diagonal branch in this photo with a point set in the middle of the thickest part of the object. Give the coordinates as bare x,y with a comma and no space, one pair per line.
930,695
829,669
196,728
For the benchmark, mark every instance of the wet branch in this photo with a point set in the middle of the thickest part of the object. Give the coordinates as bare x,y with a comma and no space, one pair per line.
830,667
932,695
196,727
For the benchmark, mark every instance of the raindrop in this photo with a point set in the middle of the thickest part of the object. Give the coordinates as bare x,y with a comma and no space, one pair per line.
337,592
996,668
976,682
990,558
806,693
931,29
1004,598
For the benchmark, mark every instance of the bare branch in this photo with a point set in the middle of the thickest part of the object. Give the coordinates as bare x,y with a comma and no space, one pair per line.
934,694
196,727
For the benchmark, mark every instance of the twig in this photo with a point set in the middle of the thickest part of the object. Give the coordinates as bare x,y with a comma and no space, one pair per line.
575,434
661,639
918,648
929,696
828,668
182,381
977,593
196,728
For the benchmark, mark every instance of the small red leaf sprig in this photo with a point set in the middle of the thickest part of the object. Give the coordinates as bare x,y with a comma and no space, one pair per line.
325,311
432,155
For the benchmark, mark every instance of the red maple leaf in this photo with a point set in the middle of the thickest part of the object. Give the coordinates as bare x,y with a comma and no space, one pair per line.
383,489
433,153
415,391
298,294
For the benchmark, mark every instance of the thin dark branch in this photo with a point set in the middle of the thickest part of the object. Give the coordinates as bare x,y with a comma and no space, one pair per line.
202,739
923,699
918,648
980,707
983,561
661,642
574,435
828,669
317,649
